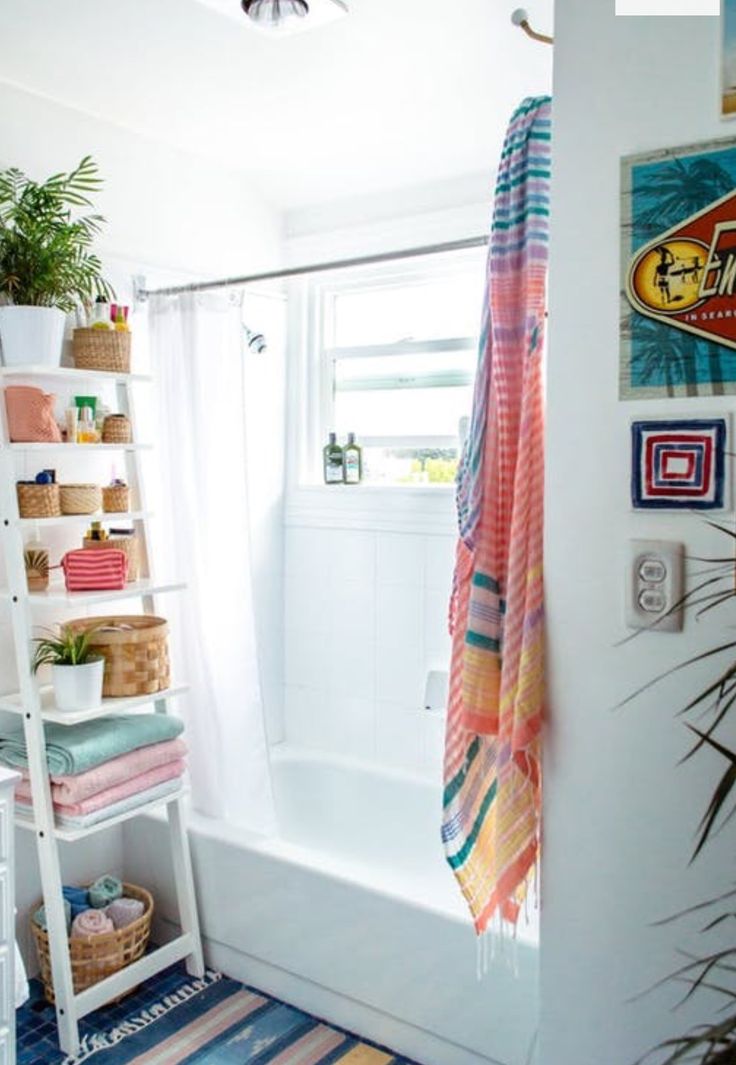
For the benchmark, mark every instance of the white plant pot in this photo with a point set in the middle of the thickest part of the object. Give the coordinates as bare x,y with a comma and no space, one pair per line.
78,687
31,335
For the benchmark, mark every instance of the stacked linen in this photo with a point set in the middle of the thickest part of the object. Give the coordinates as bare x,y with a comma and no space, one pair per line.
102,768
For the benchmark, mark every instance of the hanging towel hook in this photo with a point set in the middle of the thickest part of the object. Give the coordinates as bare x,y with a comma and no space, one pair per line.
520,18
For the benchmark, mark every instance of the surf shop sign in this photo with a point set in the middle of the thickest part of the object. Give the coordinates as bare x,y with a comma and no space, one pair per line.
679,272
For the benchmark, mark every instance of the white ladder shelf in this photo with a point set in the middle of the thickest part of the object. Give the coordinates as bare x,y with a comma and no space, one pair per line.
36,706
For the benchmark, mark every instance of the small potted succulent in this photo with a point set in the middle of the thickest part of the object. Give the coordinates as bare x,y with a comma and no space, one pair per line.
76,670
47,267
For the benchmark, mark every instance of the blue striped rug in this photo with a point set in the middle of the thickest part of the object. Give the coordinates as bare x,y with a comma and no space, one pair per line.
176,1019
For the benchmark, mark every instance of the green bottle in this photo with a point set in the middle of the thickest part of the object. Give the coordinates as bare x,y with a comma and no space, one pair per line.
352,461
332,456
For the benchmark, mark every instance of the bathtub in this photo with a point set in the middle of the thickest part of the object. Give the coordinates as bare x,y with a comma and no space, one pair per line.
351,913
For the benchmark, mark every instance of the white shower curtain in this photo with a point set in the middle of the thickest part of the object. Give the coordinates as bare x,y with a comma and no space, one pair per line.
202,534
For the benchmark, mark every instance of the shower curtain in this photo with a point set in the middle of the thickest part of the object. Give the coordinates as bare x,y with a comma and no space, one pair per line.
202,518
492,757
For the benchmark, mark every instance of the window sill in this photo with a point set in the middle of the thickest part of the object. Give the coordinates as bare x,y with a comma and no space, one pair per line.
420,509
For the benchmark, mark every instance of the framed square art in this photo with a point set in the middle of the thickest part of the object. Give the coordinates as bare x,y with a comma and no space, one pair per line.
679,464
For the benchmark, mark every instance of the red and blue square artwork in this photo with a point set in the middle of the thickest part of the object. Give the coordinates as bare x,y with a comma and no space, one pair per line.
678,465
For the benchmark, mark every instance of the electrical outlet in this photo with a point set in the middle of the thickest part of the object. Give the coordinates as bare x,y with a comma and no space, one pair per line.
654,585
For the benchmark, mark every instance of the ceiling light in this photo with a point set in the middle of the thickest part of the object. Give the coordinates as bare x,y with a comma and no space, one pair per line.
274,12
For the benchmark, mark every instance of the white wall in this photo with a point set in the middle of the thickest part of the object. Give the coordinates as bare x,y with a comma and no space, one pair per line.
620,816
171,217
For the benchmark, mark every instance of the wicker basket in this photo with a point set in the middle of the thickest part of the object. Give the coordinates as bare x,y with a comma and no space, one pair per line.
80,498
128,544
101,349
39,500
136,653
116,429
116,499
95,957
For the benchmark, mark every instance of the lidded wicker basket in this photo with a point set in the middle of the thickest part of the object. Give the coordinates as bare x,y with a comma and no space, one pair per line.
128,544
115,498
80,498
101,349
95,957
39,500
116,429
135,649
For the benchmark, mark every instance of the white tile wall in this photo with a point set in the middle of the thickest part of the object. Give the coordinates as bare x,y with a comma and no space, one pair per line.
365,620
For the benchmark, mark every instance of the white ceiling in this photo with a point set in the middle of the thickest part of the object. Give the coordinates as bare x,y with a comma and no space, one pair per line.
401,92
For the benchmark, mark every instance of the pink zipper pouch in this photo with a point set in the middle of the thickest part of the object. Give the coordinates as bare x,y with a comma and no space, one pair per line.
95,571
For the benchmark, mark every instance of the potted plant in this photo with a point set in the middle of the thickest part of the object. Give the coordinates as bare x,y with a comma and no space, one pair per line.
76,671
47,267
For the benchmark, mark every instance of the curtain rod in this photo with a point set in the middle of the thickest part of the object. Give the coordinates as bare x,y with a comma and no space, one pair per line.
142,294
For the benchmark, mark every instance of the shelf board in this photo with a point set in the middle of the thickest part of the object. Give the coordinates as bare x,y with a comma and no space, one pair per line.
71,374
13,704
57,595
84,519
78,447
71,835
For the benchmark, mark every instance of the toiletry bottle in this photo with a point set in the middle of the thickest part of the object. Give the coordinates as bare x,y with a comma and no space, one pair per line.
352,461
121,326
333,461
86,432
71,416
101,316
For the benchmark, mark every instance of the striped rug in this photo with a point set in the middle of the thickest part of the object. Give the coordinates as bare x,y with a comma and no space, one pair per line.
175,1019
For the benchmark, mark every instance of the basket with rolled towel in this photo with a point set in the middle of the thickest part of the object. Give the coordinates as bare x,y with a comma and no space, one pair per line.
108,923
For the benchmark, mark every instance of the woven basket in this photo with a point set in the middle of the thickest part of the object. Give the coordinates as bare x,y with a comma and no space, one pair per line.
116,499
116,429
101,349
136,653
39,500
128,544
95,957
80,498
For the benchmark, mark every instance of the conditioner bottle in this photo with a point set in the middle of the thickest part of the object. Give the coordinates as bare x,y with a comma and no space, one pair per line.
352,461
333,461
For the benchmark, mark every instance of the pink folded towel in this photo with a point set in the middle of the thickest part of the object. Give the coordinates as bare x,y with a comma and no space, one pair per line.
69,790
123,912
106,798
91,923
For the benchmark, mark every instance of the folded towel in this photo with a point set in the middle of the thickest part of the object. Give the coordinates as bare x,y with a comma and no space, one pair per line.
77,748
104,891
77,898
39,916
69,790
122,807
124,911
91,923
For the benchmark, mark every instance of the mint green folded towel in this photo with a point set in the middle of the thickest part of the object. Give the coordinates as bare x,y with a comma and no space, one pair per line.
72,749
105,890
39,916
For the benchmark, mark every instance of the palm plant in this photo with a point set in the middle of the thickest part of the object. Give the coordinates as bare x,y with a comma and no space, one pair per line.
64,648
45,251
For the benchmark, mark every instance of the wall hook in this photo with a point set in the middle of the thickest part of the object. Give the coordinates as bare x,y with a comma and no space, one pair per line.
520,18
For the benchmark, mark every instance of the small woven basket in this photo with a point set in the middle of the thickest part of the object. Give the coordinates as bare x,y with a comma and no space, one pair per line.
101,349
135,649
116,429
80,498
128,544
116,499
39,500
95,957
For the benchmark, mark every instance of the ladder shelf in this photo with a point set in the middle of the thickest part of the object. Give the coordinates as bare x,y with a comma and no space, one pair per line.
35,704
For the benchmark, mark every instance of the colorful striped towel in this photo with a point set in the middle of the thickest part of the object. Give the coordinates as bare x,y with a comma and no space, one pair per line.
492,757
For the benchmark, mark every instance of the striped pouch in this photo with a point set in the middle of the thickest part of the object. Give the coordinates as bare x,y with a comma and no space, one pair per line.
95,571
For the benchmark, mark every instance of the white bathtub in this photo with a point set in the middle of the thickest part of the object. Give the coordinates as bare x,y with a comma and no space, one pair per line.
351,913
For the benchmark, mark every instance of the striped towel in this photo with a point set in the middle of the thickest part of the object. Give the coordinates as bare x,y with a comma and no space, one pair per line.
492,757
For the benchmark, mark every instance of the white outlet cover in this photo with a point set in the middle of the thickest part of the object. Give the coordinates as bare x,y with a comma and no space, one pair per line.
655,585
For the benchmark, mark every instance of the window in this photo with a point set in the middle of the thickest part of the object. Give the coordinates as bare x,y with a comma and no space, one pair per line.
397,351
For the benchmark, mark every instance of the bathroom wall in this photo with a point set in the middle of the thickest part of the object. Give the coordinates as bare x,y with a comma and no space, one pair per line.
620,814
171,217
368,574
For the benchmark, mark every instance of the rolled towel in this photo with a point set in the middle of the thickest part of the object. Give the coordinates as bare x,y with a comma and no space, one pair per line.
77,897
91,923
104,891
124,911
39,916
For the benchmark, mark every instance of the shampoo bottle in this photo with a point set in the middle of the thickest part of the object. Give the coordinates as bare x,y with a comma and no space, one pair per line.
333,461
352,461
